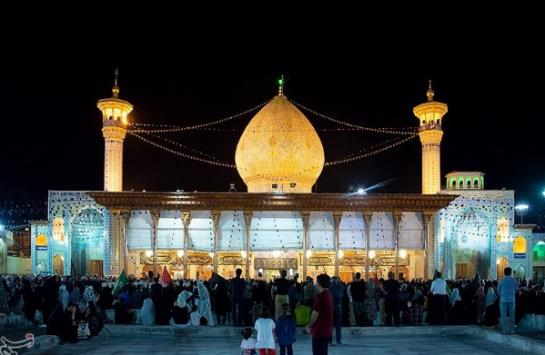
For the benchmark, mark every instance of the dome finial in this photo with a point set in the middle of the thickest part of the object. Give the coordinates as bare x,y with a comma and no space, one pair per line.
115,88
430,93
281,86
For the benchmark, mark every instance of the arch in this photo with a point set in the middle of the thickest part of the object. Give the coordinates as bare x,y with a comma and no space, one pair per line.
476,184
519,271
87,242
58,265
454,184
538,252
501,264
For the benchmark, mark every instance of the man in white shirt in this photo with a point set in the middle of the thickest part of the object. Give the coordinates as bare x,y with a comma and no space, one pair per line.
438,301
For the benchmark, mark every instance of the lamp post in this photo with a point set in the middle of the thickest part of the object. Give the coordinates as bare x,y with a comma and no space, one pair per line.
521,209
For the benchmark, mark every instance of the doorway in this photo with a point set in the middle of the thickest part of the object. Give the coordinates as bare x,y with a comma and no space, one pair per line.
58,265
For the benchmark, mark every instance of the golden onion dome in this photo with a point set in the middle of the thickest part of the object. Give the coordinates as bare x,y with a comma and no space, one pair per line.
279,150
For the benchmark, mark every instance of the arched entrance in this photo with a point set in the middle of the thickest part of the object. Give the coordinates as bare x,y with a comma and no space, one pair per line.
469,244
58,265
87,242
519,272
501,264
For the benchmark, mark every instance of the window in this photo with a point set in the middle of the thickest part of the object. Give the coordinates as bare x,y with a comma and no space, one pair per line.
292,185
476,184
274,186
454,184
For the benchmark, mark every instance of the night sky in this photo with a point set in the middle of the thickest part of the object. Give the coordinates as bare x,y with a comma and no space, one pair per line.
368,69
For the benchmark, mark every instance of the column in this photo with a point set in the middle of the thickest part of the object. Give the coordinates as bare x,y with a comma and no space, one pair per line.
305,216
367,219
428,254
111,252
216,224
186,219
248,222
123,253
155,214
397,219
337,216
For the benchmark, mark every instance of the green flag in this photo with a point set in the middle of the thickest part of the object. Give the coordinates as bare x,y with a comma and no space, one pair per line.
122,280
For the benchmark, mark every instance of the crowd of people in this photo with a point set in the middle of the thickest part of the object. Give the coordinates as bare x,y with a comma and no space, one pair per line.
76,307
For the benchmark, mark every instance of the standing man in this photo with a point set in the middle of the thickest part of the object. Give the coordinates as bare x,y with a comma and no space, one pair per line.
337,292
391,286
281,287
238,287
309,292
507,289
321,319
356,295
438,305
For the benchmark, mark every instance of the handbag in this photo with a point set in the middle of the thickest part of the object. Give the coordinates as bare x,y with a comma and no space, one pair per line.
83,330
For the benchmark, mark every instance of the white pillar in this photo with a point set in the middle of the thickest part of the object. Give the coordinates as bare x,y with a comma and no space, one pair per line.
367,219
248,222
186,219
397,219
305,216
155,214
337,216
216,223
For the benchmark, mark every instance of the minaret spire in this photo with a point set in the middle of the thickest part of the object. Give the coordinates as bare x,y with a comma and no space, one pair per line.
430,114
115,88
430,93
281,86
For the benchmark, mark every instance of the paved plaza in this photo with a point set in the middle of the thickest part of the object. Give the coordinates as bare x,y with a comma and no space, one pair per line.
228,344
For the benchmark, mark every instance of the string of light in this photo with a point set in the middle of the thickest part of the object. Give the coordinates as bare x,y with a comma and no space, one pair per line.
400,131
361,156
184,146
198,126
184,155
214,161
376,146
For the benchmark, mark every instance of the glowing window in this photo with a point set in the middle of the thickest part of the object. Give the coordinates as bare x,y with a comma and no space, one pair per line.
58,229
539,251
41,240
503,230
519,245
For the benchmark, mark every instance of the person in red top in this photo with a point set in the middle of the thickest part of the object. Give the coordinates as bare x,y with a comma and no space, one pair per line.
321,319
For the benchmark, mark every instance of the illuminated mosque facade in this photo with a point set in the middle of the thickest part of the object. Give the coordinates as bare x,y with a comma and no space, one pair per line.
279,223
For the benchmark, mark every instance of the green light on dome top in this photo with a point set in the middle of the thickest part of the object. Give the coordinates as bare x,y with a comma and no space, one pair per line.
281,86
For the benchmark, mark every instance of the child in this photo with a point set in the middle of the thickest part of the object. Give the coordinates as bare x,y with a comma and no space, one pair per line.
195,317
248,343
265,333
285,330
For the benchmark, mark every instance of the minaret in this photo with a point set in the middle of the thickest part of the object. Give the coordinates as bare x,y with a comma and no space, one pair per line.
430,115
114,123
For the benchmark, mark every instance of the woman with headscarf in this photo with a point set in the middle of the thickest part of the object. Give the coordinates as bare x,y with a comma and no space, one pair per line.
458,312
64,296
369,304
89,294
4,308
147,313
30,302
492,311
480,304
180,312
75,295
204,306
455,297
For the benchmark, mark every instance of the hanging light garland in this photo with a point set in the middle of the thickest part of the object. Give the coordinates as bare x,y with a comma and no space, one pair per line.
401,131
198,126
351,158
184,155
